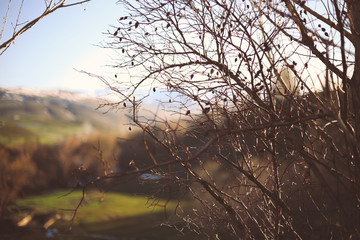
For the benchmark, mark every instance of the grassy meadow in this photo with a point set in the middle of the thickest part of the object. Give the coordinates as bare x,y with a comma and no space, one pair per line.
96,207
102,214
43,132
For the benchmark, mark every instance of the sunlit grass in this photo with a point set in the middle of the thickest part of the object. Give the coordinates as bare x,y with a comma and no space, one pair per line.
96,207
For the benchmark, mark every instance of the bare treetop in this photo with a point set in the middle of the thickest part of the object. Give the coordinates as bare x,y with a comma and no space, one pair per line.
19,26
245,43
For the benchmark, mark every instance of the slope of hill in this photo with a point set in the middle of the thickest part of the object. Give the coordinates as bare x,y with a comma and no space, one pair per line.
50,116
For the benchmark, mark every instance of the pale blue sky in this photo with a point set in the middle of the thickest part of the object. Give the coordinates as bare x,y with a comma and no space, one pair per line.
45,56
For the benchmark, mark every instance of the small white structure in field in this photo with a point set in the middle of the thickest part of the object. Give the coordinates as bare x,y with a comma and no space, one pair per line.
150,177
286,83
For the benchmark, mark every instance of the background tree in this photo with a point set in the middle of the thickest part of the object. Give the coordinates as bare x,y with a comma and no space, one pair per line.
265,96
22,25
16,171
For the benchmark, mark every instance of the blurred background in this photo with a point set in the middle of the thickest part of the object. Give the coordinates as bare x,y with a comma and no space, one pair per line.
53,139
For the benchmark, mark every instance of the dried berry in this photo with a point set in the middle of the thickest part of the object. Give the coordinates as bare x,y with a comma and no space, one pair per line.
206,110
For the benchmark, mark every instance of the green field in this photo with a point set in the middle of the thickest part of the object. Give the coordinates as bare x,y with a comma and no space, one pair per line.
44,132
96,207
110,214
49,120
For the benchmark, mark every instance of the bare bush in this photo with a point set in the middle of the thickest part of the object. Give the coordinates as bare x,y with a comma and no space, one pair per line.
16,172
264,97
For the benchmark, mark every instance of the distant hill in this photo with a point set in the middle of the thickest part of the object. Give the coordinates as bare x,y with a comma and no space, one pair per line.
49,116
